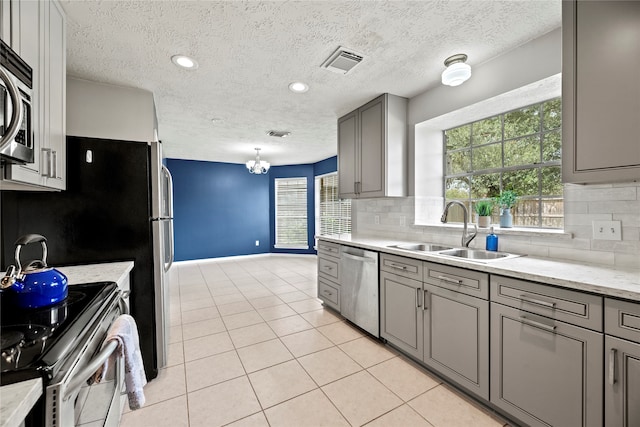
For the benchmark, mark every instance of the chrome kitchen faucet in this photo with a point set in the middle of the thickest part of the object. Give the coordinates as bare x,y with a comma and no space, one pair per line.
466,238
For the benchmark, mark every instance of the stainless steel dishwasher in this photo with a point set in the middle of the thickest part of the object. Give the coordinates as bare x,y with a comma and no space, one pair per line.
359,293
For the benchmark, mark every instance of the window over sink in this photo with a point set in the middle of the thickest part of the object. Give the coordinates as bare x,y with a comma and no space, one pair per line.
518,150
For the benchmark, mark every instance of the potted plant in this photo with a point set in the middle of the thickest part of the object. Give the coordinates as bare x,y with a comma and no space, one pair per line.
506,200
484,209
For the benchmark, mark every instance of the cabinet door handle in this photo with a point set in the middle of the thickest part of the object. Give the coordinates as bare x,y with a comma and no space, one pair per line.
526,321
53,169
424,300
45,162
527,298
612,366
450,280
418,298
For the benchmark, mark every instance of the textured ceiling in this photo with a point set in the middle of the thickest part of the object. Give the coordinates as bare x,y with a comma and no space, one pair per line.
248,53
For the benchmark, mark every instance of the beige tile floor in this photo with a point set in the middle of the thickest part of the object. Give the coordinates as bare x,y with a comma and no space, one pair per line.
250,345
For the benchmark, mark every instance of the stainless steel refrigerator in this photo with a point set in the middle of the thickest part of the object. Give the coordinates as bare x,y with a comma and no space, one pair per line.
117,207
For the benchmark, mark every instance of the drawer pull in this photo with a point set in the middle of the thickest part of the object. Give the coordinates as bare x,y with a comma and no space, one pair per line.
326,292
328,267
527,298
612,366
397,266
450,280
530,322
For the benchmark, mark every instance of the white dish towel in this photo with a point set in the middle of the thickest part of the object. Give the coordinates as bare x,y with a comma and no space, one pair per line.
125,331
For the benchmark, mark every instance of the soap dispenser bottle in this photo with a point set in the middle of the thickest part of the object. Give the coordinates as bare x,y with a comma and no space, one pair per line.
492,241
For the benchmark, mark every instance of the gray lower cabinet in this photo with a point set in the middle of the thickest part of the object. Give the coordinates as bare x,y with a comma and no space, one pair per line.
456,337
622,363
545,372
401,313
329,289
622,387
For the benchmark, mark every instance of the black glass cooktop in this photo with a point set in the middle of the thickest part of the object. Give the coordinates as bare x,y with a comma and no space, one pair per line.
32,340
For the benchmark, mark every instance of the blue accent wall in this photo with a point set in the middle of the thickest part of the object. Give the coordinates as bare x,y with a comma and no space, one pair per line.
220,209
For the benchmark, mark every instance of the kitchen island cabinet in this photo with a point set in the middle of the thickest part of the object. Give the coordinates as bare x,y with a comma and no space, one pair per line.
372,149
600,93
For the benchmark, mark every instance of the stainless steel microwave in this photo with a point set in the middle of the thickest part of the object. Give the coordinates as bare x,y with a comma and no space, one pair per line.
16,92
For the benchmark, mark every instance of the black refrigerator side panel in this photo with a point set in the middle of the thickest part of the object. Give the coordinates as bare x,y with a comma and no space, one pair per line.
103,216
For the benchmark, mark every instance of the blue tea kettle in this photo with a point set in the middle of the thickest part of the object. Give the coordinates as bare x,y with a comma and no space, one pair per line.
35,285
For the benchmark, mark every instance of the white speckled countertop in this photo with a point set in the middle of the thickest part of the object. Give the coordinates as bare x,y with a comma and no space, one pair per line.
16,400
603,280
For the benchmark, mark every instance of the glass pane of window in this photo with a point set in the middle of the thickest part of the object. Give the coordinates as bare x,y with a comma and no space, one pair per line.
459,137
291,212
552,213
522,151
551,181
522,122
458,162
552,146
485,186
526,213
487,157
552,114
457,188
334,213
487,130
524,182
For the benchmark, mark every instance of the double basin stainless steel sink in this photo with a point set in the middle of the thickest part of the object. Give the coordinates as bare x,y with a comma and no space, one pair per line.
479,255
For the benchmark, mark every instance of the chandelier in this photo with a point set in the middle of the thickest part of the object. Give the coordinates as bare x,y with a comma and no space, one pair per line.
258,166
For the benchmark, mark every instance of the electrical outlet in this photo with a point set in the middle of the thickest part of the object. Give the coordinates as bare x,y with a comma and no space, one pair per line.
607,230
376,219
257,242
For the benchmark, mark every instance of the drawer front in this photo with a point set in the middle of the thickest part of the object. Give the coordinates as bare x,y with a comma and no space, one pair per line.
468,282
407,267
329,292
328,249
622,319
329,267
562,304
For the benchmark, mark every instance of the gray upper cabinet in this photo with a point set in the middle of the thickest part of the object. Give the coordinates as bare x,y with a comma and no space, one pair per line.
372,149
600,91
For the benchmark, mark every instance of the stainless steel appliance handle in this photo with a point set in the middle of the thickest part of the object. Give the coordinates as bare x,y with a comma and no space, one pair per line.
170,200
81,377
612,366
16,117
358,258
527,298
527,321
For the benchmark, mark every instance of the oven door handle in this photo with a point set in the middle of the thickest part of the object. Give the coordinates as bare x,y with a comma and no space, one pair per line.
16,117
90,369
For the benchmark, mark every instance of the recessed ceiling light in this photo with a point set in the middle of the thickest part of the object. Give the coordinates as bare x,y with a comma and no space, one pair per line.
298,87
184,62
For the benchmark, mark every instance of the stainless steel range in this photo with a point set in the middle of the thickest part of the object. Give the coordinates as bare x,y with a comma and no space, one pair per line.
62,345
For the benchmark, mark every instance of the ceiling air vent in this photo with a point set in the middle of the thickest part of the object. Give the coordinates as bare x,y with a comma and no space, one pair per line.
342,60
278,133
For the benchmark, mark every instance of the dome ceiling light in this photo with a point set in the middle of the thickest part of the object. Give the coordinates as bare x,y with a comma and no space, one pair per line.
457,71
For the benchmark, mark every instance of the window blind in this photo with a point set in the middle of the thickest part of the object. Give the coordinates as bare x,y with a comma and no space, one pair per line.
335,214
291,213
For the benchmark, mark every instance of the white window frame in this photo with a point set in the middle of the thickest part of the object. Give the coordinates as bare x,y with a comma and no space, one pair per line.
294,245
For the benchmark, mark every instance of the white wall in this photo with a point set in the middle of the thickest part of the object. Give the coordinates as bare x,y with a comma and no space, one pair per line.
101,110
497,83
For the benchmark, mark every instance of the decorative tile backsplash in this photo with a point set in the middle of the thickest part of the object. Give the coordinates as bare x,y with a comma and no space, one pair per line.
395,218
